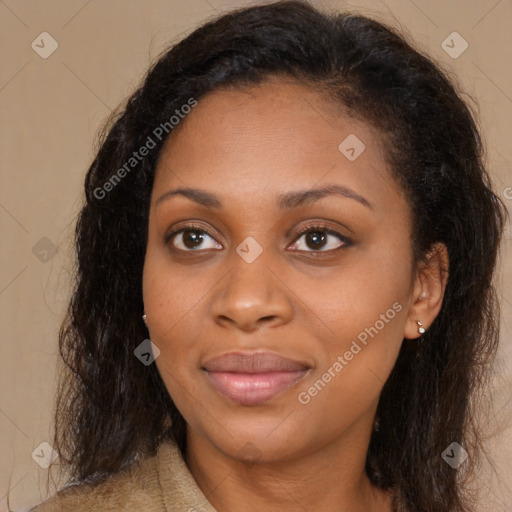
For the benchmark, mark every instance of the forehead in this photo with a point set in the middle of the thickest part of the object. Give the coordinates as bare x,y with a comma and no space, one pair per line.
275,136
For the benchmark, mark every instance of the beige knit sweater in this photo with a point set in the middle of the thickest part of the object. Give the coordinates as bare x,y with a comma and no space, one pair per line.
158,484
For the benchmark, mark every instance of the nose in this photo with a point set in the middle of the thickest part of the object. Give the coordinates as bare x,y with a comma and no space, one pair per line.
252,295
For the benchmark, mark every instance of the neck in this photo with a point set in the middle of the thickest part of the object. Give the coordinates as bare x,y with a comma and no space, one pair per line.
330,478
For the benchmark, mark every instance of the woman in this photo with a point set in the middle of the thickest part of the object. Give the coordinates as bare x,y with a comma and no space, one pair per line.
284,294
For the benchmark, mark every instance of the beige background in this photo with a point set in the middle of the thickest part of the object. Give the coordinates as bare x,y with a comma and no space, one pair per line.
50,111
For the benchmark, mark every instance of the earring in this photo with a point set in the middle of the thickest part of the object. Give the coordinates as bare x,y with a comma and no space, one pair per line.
144,317
421,329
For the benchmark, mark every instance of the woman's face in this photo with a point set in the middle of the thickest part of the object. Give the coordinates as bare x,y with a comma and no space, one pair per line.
266,164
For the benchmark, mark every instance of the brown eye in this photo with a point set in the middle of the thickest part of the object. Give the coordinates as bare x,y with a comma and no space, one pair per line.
320,239
190,239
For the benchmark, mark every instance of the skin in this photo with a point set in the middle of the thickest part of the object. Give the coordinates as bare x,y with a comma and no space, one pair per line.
247,147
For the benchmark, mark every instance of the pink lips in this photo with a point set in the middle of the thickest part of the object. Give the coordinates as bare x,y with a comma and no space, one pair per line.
253,378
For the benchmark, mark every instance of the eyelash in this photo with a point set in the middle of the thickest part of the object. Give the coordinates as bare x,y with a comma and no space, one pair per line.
316,227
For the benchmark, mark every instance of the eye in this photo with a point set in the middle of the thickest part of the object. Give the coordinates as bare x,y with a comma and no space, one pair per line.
320,239
191,238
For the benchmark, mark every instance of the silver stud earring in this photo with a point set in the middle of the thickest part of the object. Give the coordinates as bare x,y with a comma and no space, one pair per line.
421,329
144,317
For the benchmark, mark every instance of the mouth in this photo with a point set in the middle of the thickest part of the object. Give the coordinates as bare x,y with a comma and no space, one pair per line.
253,378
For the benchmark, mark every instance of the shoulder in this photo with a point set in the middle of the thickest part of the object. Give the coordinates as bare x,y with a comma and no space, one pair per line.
136,488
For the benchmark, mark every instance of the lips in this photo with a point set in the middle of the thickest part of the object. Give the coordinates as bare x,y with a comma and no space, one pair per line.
253,378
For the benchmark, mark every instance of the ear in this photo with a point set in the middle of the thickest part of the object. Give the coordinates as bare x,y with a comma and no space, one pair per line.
428,290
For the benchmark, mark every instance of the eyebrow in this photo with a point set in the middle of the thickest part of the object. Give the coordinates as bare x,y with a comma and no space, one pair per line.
285,201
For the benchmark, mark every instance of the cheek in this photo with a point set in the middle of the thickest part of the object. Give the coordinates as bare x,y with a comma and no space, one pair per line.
364,307
171,302
171,293
356,360
369,292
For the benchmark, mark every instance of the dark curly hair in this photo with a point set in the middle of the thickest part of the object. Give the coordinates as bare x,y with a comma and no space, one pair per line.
112,410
